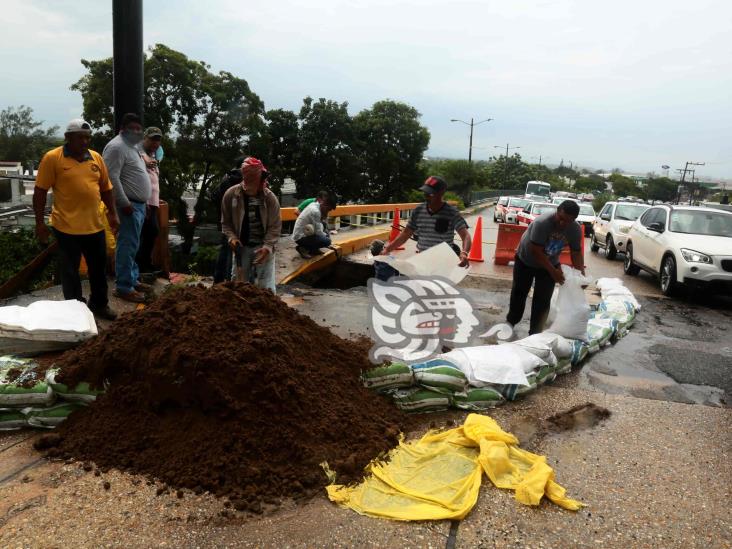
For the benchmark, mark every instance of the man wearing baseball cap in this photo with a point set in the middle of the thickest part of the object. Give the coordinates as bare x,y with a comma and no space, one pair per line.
149,150
433,221
79,179
252,222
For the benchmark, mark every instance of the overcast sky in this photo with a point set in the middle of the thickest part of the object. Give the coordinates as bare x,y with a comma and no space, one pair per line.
633,84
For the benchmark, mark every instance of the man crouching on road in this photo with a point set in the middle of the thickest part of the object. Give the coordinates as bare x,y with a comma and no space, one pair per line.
537,262
311,227
251,220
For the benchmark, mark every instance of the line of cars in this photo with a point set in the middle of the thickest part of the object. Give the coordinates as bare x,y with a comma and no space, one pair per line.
683,246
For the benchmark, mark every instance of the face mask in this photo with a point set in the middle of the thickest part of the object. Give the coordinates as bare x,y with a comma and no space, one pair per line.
159,153
132,138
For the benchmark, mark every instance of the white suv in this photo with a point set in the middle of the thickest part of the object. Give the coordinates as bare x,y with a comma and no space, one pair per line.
682,245
612,225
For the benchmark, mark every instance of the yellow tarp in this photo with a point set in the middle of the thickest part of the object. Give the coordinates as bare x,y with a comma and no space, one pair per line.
438,477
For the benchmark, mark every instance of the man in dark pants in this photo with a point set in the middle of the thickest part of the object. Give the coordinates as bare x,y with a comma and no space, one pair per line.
79,179
537,262
223,269
150,227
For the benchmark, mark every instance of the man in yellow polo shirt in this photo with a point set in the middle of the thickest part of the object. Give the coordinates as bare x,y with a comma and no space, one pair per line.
79,179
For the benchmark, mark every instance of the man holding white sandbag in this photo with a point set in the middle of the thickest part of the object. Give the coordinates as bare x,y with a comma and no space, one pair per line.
537,262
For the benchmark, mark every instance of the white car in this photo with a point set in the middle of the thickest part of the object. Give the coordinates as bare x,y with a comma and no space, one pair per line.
611,226
586,217
682,245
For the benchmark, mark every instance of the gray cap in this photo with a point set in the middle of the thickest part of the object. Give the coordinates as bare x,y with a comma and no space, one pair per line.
78,125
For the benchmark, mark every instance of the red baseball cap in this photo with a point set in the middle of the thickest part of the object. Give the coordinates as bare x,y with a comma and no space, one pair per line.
434,184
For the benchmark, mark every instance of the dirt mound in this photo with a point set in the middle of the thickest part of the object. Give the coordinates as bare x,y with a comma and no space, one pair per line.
583,416
227,390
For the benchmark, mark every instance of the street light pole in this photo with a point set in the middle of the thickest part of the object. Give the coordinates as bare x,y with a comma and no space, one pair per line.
471,124
505,165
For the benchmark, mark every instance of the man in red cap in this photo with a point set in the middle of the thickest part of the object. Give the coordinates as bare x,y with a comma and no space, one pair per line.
251,221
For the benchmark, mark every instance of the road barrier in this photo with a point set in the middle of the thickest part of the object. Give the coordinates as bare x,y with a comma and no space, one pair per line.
509,236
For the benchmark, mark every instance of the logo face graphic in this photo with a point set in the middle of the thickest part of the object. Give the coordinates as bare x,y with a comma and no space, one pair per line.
412,318
94,168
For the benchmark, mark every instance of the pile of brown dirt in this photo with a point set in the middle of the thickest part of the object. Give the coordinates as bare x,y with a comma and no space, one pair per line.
226,390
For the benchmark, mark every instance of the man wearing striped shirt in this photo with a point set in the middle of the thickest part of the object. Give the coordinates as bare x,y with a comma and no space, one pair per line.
433,222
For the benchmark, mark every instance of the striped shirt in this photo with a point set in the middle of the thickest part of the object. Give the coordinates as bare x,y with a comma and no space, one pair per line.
433,228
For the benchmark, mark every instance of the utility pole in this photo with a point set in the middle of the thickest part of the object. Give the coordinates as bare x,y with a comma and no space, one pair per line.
472,125
505,166
682,181
128,59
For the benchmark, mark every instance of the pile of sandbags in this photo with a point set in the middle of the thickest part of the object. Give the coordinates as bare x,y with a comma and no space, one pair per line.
481,377
44,326
30,396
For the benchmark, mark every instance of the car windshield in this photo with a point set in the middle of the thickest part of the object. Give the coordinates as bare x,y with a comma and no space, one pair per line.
518,203
701,222
629,212
538,190
503,201
541,209
586,209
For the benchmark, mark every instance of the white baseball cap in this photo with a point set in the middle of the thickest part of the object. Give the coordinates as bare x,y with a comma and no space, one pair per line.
78,125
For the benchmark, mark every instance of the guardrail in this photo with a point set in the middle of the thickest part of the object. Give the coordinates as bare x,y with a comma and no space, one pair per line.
359,215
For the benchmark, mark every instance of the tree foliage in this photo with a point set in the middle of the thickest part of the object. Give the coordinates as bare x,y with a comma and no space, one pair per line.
23,138
392,143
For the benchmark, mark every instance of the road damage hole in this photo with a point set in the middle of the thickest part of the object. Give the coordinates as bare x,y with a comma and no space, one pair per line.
583,416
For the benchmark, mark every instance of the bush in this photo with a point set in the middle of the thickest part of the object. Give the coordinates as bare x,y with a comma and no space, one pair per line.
415,195
17,249
601,200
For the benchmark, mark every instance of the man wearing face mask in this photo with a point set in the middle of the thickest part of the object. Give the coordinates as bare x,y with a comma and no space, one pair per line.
433,222
251,221
132,190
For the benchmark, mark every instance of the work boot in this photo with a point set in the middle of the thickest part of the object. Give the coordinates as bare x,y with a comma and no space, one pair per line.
142,287
105,313
148,278
317,252
303,252
133,296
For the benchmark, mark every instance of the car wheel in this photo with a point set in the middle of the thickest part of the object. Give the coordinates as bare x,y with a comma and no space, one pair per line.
629,267
610,250
594,246
668,276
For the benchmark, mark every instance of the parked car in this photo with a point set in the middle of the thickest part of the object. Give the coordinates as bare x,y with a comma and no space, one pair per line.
560,199
498,211
586,217
534,210
682,245
510,211
612,225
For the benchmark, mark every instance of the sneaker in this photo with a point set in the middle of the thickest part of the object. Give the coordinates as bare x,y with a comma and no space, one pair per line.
303,252
105,313
142,287
132,297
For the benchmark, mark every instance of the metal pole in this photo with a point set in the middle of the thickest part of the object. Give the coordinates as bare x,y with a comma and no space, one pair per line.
470,149
505,169
128,58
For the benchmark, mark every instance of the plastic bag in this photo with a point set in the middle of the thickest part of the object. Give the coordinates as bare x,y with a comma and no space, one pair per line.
494,364
572,309
438,477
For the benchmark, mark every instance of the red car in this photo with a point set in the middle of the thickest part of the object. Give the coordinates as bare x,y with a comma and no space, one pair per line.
506,213
534,210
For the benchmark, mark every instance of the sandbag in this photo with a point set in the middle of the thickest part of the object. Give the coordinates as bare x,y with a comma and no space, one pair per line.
477,399
580,350
494,364
392,376
25,389
440,375
539,347
572,310
81,393
564,366
12,419
50,417
417,399
560,346
600,331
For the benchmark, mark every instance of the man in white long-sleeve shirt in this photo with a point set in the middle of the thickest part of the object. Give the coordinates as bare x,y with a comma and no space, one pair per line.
310,232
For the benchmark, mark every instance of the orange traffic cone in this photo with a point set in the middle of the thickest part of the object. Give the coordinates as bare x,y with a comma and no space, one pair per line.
476,250
395,230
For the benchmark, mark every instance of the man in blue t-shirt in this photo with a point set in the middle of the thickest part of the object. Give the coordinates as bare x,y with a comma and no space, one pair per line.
537,262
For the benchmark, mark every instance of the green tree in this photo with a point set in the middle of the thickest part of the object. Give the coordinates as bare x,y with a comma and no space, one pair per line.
623,186
22,137
509,173
590,184
282,137
462,177
328,151
392,143
208,119
661,188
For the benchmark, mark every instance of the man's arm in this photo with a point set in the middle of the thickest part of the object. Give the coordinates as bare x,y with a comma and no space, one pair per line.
405,235
575,248
114,160
108,199
537,252
467,244
274,227
578,261
227,222
39,206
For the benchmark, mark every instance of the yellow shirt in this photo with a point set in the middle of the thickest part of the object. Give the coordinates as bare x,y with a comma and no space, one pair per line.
77,188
